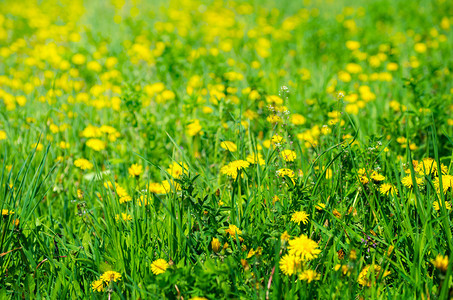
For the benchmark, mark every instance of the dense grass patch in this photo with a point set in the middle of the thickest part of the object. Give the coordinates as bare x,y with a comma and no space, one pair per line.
226,149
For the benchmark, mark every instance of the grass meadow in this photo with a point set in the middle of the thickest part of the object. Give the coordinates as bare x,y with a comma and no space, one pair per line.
255,149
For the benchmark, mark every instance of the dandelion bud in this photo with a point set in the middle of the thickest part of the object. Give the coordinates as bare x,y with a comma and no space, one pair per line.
215,244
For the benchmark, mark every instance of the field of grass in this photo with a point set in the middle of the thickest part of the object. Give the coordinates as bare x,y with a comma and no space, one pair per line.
256,149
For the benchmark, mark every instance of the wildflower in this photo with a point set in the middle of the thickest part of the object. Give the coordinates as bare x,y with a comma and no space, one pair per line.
6,212
300,216
233,167
256,159
377,177
143,200
98,285
429,166
277,139
352,45
124,216
336,213
64,145
288,155
83,164
96,144
215,245
298,119
285,236
437,206
440,262
194,128
233,230
3,135
387,188
353,254
289,264
230,146
320,206
274,119
110,276
364,276
420,47
329,173
38,146
447,182
177,169
407,181
135,170
309,276
159,266
304,248
285,172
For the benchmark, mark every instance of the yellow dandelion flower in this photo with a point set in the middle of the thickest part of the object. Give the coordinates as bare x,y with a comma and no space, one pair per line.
288,155
304,248
300,216
135,170
320,206
440,262
289,264
194,128
215,245
111,276
364,276
285,172
177,169
297,119
233,230
83,164
6,212
437,206
309,276
377,177
447,182
285,236
3,135
159,266
407,181
230,146
388,188
96,144
142,200
124,216
98,285
256,159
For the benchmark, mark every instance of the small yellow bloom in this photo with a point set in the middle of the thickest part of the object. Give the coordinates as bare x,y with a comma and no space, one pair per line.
124,216
233,230
230,146
440,262
135,170
288,155
159,266
320,206
3,135
110,276
98,285
6,212
437,205
83,164
300,216
215,245
309,276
